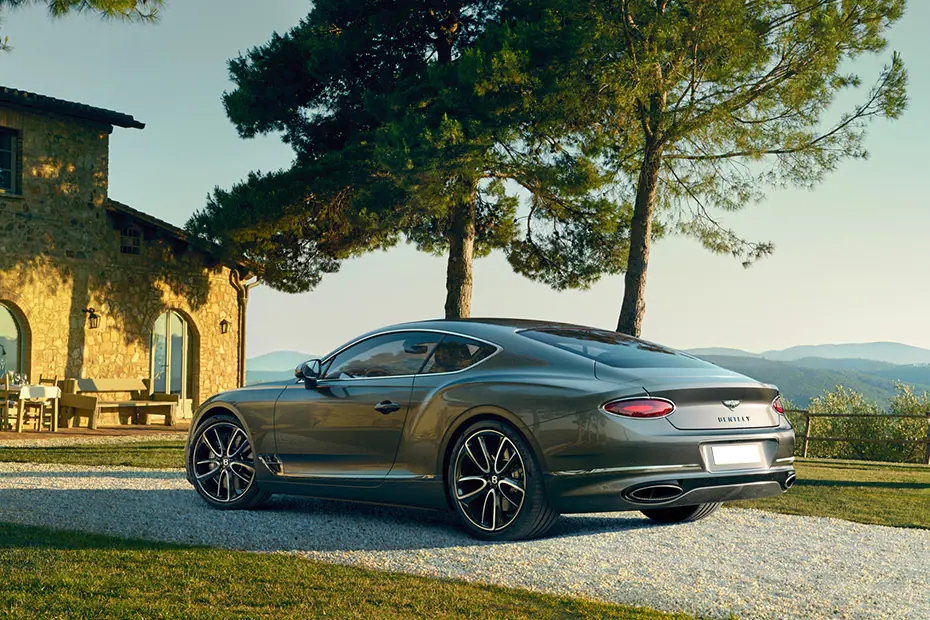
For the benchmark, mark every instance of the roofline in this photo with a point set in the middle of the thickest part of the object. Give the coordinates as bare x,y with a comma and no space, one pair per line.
172,230
44,103
511,322
114,205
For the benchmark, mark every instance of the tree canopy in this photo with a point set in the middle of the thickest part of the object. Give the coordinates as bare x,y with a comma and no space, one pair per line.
134,10
566,134
409,121
699,106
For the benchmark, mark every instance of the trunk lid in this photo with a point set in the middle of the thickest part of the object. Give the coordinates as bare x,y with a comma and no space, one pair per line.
709,398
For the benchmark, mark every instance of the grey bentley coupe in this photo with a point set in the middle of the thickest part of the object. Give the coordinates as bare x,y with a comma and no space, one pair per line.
507,423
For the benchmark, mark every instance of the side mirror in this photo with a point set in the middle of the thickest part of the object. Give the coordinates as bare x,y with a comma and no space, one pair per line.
310,372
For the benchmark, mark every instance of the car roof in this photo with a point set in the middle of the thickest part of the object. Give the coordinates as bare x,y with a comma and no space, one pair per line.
503,324
490,328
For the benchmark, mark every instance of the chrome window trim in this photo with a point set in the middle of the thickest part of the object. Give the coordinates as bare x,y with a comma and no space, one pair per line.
407,330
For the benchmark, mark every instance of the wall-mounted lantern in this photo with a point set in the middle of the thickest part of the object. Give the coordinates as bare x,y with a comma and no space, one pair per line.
93,319
224,326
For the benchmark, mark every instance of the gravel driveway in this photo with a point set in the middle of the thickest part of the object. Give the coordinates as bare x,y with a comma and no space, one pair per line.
749,563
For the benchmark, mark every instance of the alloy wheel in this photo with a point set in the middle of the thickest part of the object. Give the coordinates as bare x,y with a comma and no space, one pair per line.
223,463
490,480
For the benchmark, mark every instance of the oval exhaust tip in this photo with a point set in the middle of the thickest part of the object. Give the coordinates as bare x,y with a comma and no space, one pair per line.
789,481
656,493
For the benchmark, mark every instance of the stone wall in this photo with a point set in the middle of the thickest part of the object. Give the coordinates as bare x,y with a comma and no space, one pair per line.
60,253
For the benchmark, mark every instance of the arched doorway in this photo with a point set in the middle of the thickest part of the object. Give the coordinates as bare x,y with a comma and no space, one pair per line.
12,342
173,357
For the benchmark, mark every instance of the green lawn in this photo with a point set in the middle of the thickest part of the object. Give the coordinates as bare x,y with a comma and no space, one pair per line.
45,573
151,454
868,492
879,493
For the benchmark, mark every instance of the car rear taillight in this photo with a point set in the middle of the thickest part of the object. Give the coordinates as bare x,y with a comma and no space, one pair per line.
778,405
640,407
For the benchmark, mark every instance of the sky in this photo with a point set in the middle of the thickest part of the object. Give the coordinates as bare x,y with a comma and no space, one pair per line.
852,257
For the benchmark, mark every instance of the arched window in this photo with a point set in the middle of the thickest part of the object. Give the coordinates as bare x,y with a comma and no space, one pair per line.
172,356
12,342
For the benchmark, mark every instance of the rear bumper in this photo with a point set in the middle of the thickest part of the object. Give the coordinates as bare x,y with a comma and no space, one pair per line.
607,492
597,461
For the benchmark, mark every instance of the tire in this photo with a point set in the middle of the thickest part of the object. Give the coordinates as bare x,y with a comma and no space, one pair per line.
681,514
221,460
484,491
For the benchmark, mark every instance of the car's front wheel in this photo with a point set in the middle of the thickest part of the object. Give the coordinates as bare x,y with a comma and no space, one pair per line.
681,514
223,465
496,485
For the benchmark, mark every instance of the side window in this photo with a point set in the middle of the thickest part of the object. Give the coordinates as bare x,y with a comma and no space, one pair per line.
9,160
384,356
130,240
457,353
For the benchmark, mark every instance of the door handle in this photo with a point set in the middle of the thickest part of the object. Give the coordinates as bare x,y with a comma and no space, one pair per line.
386,407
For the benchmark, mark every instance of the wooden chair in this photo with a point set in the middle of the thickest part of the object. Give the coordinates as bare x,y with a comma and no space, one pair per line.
8,411
43,399
53,382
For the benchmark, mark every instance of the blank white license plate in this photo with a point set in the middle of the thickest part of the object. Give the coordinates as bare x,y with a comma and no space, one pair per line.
741,454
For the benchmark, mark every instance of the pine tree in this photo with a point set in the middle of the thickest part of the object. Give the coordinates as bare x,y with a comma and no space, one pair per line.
410,121
133,10
698,106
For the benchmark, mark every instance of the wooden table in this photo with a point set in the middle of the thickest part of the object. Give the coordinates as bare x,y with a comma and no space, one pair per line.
32,393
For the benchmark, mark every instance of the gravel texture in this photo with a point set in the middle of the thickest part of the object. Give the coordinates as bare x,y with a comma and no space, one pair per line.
58,440
749,563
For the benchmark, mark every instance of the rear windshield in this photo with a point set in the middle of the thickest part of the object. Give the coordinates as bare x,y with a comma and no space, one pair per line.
614,349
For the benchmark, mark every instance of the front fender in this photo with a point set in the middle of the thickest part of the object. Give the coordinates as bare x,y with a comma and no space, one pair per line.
252,407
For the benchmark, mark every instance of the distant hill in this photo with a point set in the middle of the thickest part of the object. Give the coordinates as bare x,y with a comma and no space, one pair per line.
917,374
277,361
888,352
274,366
253,377
862,365
892,352
800,384
721,351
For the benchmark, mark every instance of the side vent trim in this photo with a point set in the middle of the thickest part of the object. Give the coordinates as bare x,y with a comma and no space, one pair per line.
272,463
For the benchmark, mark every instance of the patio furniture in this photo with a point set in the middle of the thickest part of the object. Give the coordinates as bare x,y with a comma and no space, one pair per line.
45,399
8,408
86,398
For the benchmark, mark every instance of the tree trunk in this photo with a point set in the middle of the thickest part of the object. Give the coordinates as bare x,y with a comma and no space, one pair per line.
634,292
461,256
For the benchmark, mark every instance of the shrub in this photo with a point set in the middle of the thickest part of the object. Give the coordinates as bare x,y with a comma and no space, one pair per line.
891,430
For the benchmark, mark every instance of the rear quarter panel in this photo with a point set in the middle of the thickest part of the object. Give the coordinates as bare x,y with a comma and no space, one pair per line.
440,406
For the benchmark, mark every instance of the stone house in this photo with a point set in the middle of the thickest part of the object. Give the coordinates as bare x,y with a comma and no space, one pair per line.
92,288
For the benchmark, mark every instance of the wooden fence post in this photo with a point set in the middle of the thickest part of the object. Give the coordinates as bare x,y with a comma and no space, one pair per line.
807,435
927,445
